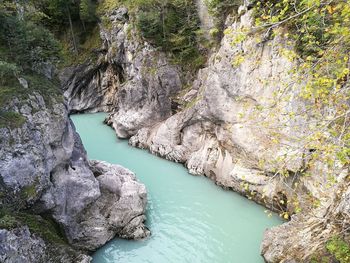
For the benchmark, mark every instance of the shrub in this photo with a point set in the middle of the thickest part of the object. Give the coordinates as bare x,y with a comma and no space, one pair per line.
339,249
7,70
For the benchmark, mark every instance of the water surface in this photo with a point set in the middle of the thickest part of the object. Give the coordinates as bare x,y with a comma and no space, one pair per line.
191,219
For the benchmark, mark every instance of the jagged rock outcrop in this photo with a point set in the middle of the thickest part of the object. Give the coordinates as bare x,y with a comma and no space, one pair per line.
130,78
45,171
304,236
90,87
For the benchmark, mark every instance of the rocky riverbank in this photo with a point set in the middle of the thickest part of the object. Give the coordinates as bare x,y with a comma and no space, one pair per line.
56,205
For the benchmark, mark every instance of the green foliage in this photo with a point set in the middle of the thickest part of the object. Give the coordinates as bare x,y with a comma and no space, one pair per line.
57,13
49,89
171,25
7,70
8,222
220,8
11,119
87,11
339,249
27,44
24,45
106,6
315,26
87,49
321,32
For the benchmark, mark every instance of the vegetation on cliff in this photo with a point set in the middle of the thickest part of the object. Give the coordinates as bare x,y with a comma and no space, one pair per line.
321,33
318,34
26,48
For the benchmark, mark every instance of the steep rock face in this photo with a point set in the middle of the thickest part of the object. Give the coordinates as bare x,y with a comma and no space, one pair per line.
44,170
90,87
130,78
305,235
221,132
234,128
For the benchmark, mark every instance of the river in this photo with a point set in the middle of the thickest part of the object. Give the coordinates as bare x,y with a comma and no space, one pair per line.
191,219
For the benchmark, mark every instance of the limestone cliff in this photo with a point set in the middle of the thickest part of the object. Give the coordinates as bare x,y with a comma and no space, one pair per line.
52,198
226,132
130,78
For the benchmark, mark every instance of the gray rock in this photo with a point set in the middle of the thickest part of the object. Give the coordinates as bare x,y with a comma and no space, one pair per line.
220,134
23,82
118,211
20,245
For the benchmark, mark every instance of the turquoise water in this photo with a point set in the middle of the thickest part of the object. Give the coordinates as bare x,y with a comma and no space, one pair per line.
191,219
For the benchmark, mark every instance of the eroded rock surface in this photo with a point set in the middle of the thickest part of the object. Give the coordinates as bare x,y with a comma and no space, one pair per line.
234,128
44,170
221,132
130,78
119,210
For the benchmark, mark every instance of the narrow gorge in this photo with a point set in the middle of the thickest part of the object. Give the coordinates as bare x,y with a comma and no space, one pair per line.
253,95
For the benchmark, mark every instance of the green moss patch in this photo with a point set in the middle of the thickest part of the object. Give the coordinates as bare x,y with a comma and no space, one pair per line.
90,43
45,228
11,119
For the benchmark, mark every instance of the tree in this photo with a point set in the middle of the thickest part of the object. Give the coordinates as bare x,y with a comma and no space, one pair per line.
7,71
60,13
24,43
319,80
171,25
87,12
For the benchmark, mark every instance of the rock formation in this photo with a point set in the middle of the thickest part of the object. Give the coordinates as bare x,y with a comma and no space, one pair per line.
46,177
135,79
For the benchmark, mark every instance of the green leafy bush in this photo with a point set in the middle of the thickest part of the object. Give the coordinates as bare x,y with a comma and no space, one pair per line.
339,249
11,119
7,70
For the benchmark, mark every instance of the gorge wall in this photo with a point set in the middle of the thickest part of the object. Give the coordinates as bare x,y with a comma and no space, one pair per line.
232,124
